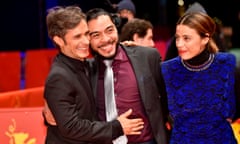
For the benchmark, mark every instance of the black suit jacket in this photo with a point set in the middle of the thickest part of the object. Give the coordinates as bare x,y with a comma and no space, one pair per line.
69,95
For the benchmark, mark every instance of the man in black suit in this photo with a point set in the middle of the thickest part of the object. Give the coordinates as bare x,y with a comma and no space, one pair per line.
68,91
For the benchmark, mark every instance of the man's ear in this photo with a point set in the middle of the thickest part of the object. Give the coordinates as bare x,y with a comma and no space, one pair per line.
135,37
59,41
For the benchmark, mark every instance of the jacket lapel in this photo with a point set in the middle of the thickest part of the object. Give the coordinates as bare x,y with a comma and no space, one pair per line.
94,70
138,68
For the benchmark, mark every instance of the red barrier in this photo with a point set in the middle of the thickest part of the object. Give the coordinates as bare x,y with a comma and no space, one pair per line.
22,126
10,70
32,97
37,66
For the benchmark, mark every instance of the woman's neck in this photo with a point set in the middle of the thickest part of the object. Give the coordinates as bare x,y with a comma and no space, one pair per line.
199,59
199,62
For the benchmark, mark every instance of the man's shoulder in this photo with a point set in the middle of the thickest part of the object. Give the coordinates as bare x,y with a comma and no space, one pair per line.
141,48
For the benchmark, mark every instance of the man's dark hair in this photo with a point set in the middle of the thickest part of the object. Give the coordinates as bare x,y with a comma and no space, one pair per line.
96,12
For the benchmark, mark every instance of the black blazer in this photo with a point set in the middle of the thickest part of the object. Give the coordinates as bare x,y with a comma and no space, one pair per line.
69,95
146,65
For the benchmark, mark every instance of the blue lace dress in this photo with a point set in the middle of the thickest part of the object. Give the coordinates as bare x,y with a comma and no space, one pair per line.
201,101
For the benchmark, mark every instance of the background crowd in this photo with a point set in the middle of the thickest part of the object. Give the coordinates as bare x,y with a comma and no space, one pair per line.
29,16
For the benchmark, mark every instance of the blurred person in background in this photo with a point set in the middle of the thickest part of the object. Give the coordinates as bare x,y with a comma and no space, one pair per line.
126,11
139,31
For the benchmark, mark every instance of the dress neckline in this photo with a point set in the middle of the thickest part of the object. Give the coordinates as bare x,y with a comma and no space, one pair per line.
200,62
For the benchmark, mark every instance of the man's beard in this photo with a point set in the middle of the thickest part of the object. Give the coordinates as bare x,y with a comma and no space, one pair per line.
94,53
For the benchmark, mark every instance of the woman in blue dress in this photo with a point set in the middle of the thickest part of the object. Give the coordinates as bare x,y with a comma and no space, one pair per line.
200,85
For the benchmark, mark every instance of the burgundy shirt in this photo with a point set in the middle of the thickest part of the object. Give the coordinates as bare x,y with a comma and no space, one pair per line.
126,94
